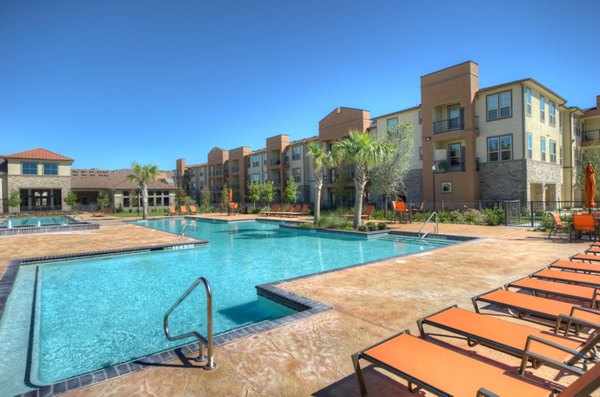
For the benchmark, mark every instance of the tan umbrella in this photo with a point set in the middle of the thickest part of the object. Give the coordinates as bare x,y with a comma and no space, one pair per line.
590,186
230,195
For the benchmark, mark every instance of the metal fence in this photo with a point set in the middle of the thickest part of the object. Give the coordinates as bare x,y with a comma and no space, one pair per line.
532,213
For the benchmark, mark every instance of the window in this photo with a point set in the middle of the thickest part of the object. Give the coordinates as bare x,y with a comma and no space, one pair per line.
297,174
528,100
552,151
499,105
552,113
454,154
392,123
126,202
264,159
446,187
500,148
529,146
296,153
29,168
255,177
542,108
50,168
543,148
255,160
453,117
420,152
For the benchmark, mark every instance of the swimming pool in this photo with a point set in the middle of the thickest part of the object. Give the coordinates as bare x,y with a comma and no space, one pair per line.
37,221
99,312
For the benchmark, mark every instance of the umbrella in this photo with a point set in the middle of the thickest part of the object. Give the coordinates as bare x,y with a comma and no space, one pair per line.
590,186
230,195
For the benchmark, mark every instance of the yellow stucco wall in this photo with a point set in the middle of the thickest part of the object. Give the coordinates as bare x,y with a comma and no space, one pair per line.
411,115
14,167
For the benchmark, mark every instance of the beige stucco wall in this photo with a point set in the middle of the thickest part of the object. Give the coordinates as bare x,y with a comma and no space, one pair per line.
14,167
539,129
411,115
506,126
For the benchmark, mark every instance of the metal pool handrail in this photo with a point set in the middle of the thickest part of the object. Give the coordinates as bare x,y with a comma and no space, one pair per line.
208,341
435,229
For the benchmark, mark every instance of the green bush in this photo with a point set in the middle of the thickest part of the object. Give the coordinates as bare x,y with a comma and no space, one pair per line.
494,216
547,222
381,226
363,228
371,226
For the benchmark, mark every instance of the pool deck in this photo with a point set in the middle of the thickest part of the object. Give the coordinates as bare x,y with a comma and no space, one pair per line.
369,303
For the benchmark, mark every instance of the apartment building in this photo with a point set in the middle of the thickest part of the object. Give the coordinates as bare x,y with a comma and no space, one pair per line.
42,177
511,141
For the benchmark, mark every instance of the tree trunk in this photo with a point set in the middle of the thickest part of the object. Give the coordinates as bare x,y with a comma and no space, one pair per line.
360,181
145,201
318,187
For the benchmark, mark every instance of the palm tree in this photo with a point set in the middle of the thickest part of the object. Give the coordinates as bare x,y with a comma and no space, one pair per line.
141,176
363,151
320,160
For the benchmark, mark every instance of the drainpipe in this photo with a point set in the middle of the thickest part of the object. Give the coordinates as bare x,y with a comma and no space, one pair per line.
524,139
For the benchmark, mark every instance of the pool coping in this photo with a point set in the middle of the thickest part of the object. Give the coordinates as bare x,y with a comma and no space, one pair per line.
74,227
307,307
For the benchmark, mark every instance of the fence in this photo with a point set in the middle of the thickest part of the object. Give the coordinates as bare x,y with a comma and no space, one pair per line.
531,213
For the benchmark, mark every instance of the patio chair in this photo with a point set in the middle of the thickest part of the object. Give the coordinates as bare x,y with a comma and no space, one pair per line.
590,280
368,212
547,288
586,258
193,210
446,372
558,225
183,210
420,208
534,308
304,210
512,338
172,211
401,211
583,223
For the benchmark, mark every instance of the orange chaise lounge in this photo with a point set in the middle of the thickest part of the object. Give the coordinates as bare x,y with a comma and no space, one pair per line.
520,340
548,288
448,373
524,306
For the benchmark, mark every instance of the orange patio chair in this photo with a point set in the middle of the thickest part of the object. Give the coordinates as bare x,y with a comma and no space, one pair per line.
401,210
575,266
446,372
368,212
193,209
558,224
585,257
172,211
304,209
532,308
512,338
583,223
548,288
183,210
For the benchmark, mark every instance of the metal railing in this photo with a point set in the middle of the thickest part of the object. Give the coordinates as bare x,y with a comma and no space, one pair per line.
591,135
202,341
436,227
453,124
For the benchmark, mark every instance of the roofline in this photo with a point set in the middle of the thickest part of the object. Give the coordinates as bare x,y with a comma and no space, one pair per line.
397,111
521,81
450,67
343,107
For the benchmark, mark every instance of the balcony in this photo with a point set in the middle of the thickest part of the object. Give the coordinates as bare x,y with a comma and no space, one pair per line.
590,135
443,166
275,162
442,126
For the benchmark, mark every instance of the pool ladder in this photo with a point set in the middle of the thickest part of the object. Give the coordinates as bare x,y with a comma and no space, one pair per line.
202,341
436,227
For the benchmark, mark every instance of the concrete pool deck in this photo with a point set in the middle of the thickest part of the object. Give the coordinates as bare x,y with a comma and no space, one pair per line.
369,303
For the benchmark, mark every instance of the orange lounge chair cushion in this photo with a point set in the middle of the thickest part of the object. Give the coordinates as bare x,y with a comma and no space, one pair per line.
581,266
452,372
529,303
590,279
559,288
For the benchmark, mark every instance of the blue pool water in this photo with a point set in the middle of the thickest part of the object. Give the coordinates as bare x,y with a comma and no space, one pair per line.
34,221
98,312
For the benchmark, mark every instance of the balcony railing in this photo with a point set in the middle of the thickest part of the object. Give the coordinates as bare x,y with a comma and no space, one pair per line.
275,161
457,123
443,166
591,135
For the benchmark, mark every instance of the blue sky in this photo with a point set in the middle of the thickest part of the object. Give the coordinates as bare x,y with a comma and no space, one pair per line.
109,82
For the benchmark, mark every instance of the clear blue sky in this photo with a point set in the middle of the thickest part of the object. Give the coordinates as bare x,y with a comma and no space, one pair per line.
108,82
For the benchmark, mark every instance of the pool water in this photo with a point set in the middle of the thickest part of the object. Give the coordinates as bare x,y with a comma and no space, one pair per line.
98,312
37,221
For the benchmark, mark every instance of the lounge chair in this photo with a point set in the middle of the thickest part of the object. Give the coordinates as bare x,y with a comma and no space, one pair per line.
550,288
275,209
368,212
172,211
401,211
446,372
304,210
183,210
586,258
420,208
583,223
512,338
558,224
193,210
576,266
525,306
591,280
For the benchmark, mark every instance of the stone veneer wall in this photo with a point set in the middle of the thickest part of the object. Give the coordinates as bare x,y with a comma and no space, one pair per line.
42,182
503,180
545,173
414,186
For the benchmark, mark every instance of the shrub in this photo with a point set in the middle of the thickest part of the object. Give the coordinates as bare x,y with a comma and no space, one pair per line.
547,222
371,226
363,228
381,226
494,216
